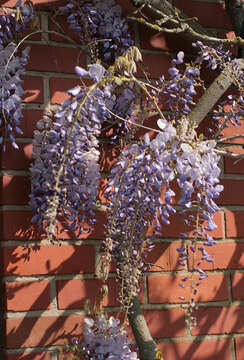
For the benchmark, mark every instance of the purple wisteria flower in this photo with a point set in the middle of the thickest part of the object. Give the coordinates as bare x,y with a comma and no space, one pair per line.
11,91
66,173
100,25
104,338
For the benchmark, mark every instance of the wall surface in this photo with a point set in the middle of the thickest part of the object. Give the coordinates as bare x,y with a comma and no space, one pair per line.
45,284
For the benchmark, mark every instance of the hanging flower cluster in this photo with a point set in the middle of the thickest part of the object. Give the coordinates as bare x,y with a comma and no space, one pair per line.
12,67
10,25
11,70
65,174
99,25
135,196
105,339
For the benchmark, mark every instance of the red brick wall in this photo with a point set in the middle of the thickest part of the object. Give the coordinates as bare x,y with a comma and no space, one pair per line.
46,285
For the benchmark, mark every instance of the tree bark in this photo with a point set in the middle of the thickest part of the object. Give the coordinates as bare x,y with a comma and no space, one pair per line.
211,96
146,345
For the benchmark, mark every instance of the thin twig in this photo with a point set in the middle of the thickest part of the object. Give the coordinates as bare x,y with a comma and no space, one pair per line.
186,28
229,154
230,138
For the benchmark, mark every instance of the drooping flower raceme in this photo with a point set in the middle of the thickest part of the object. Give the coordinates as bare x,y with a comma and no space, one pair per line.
11,70
12,67
10,25
100,25
136,200
65,173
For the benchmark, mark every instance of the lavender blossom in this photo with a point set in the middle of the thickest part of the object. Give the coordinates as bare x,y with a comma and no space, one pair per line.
12,68
105,339
65,174
99,24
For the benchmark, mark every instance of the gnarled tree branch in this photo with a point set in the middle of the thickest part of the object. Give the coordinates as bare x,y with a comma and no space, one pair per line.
163,12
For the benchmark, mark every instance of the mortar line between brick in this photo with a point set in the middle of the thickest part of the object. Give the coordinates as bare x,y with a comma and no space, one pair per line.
223,225
30,350
53,294
194,338
92,242
145,294
46,91
232,349
95,242
50,277
228,277
43,313
98,261
44,25
51,74
52,43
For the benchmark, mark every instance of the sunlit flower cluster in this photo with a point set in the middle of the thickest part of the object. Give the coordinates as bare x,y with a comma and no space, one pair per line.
11,91
104,338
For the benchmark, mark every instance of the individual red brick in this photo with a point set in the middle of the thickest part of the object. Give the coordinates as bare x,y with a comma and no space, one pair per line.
33,89
166,289
27,295
233,167
17,160
53,259
218,349
201,10
58,88
17,225
219,320
239,345
234,130
29,121
62,21
57,59
72,293
89,232
31,356
155,65
234,224
42,331
227,255
237,281
164,257
233,193
165,323
28,125
15,190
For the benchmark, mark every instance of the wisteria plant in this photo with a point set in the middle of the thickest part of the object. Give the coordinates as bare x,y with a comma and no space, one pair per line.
65,173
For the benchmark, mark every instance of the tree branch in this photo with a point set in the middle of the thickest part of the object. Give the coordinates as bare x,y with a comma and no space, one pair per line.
177,22
146,344
212,95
